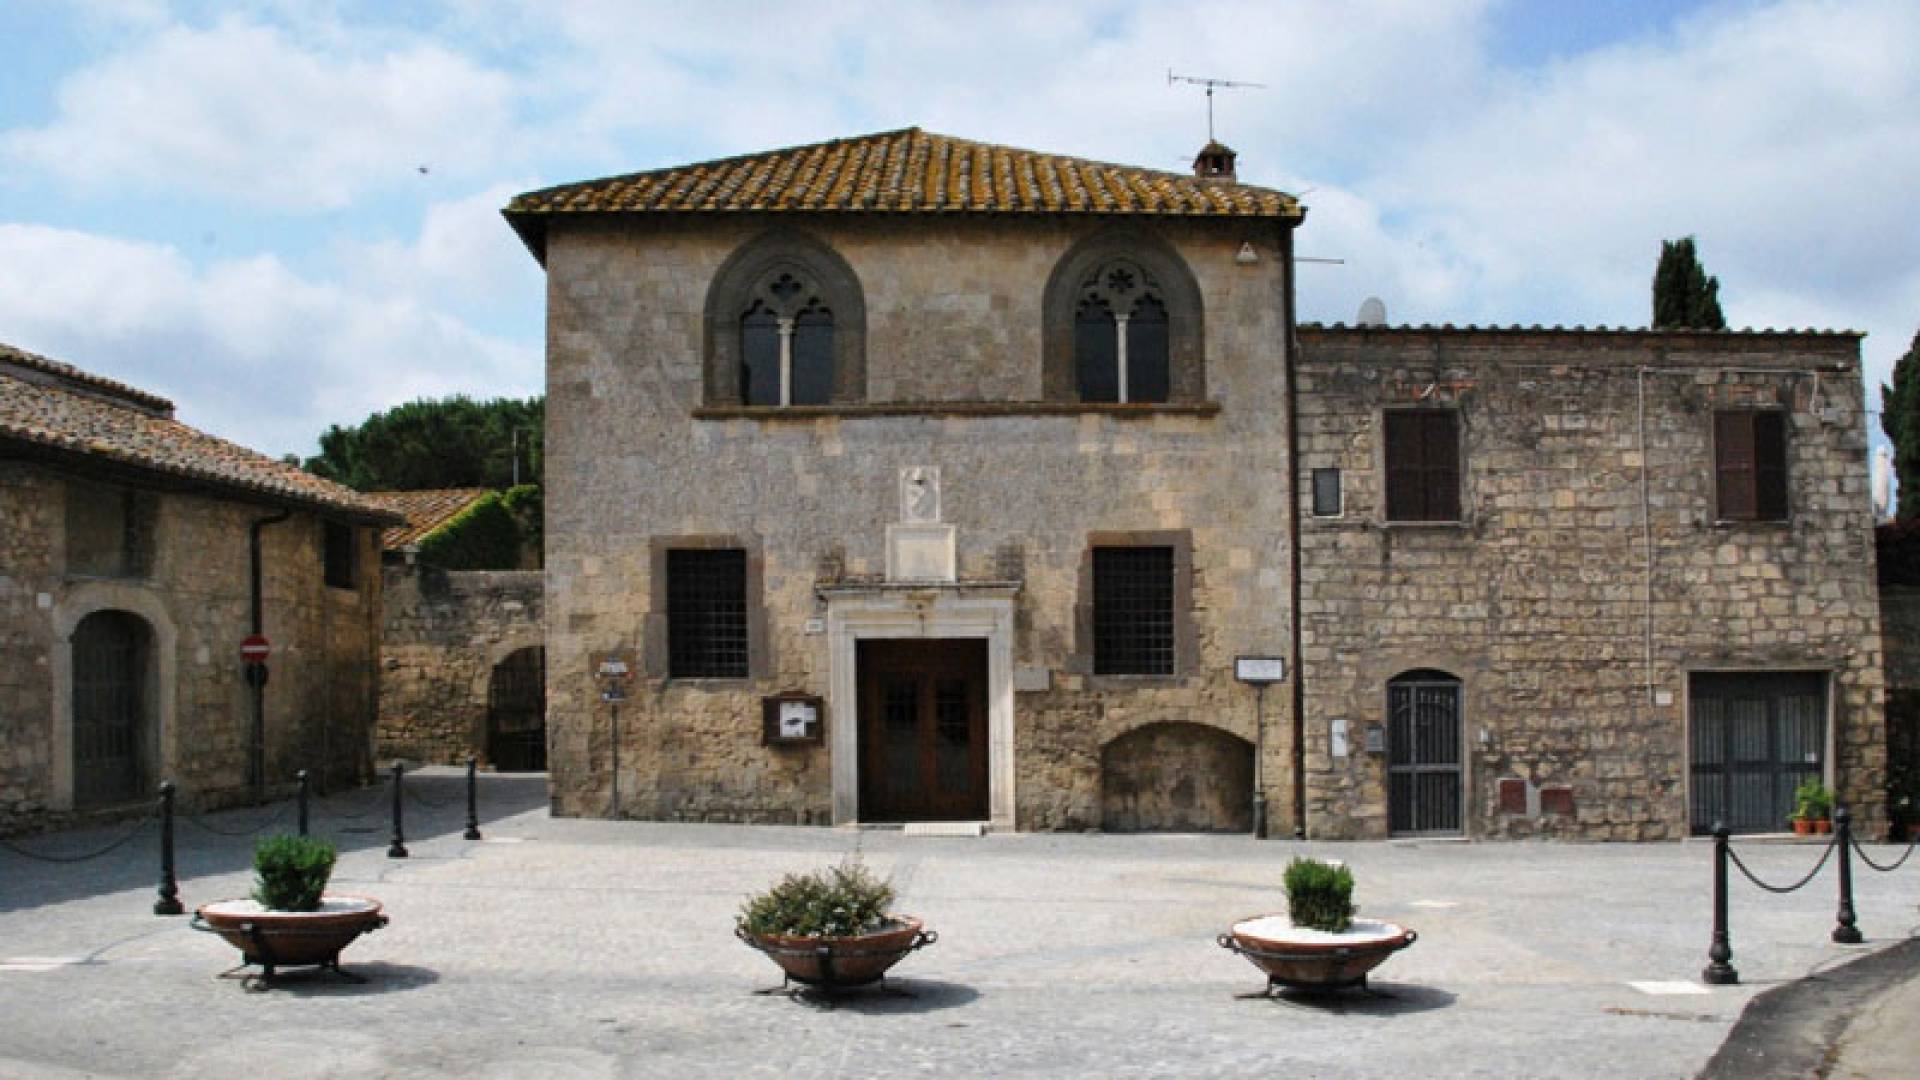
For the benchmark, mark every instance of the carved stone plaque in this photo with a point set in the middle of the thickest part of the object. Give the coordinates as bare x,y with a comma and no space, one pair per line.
920,495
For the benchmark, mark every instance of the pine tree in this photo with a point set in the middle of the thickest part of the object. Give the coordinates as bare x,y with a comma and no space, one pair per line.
1684,297
1900,419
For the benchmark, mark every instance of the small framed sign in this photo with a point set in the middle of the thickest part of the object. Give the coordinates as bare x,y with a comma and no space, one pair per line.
791,719
1260,670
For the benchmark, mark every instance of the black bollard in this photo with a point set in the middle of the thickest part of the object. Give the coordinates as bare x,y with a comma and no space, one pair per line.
398,849
169,901
473,799
302,777
1846,933
1719,970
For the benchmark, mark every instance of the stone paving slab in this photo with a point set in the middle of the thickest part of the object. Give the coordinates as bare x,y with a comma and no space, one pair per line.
604,949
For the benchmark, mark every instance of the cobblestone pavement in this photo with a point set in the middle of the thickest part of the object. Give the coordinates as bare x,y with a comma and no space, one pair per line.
567,948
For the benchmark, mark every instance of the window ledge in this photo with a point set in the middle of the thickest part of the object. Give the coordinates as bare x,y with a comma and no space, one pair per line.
1133,682
1751,523
956,408
1441,525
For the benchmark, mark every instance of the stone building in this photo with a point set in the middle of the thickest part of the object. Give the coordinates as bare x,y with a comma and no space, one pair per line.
462,656
127,583
920,479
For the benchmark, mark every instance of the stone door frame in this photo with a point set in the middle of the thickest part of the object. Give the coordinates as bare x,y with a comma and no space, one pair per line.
161,689
866,612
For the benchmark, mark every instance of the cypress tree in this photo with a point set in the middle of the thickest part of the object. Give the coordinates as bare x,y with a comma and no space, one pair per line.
1684,297
1900,419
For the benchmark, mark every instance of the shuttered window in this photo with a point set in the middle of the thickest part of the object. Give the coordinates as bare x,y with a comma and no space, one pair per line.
1423,465
1750,465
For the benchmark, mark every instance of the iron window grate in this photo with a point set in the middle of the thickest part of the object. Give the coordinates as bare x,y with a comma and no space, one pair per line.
707,614
1133,611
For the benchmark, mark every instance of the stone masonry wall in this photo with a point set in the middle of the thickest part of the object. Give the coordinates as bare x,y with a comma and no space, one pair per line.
1539,599
319,700
445,631
953,315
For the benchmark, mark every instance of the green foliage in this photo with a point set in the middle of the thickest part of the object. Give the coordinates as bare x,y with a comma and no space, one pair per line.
528,506
1900,419
291,872
1319,895
484,536
450,443
842,901
1684,297
1812,801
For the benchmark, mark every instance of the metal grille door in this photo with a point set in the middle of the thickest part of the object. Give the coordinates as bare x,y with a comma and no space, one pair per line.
517,712
1755,737
109,708
1423,756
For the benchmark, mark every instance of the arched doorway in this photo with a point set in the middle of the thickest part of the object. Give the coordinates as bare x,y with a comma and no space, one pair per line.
1424,724
1177,777
517,712
112,736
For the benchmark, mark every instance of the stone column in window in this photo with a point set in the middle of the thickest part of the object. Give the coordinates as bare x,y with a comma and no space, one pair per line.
786,360
1120,353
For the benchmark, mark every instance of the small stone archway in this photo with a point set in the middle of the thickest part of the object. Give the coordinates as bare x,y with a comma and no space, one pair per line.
115,734
157,690
1177,777
516,733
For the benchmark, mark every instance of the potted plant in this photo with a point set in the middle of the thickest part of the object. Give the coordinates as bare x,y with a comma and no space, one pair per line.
1812,808
290,920
1317,944
831,929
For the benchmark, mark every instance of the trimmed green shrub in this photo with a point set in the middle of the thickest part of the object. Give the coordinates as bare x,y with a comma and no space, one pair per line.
484,536
291,872
843,901
1812,801
1319,895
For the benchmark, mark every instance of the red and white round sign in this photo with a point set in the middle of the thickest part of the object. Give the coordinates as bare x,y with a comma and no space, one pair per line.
254,650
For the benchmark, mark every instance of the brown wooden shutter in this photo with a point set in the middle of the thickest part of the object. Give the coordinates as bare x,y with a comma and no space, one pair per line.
1441,446
1406,487
1770,466
1733,466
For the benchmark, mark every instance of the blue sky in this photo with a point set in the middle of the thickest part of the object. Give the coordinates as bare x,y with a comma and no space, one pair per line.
284,214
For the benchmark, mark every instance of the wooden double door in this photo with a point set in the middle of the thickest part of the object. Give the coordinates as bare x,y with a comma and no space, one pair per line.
923,730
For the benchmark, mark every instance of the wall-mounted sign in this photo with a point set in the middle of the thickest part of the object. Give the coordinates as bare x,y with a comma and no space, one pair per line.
790,719
1260,670
613,664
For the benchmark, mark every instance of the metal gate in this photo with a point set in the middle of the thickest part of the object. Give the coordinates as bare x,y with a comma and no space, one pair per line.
1755,737
1423,754
517,712
109,708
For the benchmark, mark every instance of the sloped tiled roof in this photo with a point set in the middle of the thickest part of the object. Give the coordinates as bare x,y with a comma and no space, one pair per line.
52,409
905,171
425,511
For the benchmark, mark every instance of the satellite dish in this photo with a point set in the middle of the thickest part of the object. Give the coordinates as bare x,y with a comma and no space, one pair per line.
1882,484
1373,312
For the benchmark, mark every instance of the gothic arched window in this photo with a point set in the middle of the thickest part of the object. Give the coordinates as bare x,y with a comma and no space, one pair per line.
786,325
1123,324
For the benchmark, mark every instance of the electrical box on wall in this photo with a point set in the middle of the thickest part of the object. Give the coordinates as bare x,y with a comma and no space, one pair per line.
792,719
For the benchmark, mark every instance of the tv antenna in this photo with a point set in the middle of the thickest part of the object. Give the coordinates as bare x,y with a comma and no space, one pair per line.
1212,85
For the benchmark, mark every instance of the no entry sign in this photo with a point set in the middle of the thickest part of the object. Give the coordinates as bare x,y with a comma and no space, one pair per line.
254,650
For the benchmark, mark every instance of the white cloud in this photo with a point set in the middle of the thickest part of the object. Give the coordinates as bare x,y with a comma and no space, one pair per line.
239,111
464,257
246,348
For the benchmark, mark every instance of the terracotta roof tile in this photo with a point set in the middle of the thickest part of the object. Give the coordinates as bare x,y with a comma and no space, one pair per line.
425,511
906,171
59,410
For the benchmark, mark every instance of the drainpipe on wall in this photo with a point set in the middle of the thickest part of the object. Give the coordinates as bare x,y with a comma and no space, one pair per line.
1293,539
257,673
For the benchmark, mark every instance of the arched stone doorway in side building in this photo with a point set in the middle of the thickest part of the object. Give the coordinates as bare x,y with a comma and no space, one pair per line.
1177,777
517,712
1426,790
115,737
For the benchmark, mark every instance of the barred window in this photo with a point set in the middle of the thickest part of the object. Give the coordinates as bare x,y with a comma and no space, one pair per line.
1133,611
1423,465
1750,465
707,614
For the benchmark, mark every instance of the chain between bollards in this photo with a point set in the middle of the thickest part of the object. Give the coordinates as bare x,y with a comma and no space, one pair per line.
302,816
1719,970
398,849
1846,933
169,901
473,799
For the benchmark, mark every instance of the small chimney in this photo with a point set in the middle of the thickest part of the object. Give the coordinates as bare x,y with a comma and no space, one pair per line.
1215,161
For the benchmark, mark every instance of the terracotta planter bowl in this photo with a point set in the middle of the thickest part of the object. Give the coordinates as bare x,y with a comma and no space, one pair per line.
834,962
1312,959
292,938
